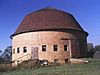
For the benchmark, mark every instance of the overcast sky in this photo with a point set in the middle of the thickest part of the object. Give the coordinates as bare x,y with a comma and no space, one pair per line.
12,12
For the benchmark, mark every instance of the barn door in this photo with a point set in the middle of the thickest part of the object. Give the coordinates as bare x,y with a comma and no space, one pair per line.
34,52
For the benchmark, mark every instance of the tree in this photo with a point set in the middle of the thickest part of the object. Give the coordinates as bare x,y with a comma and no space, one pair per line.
97,48
97,52
90,46
0,56
91,50
0,51
6,55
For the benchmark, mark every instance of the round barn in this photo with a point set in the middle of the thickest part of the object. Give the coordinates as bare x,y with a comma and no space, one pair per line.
49,34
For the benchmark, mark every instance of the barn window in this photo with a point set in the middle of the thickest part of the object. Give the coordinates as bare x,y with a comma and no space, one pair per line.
18,50
43,47
66,60
13,51
55,60
55,47
18,61
65,47
24,49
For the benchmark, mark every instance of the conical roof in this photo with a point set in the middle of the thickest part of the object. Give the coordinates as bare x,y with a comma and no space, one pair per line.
47,18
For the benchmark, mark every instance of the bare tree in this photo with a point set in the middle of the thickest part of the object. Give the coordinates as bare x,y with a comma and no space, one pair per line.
0,51
91,50
97,52
6,55
97,48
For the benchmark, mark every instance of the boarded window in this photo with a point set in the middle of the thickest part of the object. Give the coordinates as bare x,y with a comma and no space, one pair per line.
43,48
55,47
24,49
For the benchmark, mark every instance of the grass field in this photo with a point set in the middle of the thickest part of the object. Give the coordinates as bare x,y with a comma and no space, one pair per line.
92,68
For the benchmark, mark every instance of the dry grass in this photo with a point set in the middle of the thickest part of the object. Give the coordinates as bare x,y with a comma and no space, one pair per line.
93,68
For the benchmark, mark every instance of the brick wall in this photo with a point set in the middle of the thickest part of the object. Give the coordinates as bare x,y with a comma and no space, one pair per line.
48,38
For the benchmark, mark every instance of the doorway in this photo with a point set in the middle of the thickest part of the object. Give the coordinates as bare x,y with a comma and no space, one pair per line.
34,52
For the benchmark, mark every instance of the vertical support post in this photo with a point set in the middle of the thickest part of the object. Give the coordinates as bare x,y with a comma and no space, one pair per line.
70,53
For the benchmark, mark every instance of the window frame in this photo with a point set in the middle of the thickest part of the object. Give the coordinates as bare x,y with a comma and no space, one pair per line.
44,48
65,47
18,49
66,60
55,60
13,52
55,47
24,49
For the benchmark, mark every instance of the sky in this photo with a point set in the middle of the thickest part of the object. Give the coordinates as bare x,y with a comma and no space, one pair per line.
12,12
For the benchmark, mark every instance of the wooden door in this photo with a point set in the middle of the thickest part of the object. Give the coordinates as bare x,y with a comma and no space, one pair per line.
34,52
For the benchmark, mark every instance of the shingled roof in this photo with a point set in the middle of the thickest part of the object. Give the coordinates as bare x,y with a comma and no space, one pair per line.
47,18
